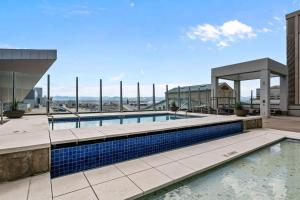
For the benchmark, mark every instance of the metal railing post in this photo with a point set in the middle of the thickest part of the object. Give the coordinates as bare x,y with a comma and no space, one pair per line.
13,87
189,99
138,97
167,97
77,102
48,94
178,97
153,96
121,97
1,110
100,96
199,96
251,100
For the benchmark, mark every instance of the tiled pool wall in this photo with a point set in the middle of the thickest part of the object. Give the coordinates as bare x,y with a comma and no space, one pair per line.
70,158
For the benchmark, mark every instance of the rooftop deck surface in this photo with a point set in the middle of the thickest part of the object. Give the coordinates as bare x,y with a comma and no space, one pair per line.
32,132
134,178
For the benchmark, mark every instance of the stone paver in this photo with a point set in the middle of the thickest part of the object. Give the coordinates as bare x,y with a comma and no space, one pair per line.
103,174
40,187
16,190
22,142
69,183
117,189
156,160
150,180
132,166
84,134
175,170
83,194
62,136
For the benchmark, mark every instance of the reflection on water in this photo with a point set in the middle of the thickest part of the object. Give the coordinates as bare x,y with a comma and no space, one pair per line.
270,173
106,121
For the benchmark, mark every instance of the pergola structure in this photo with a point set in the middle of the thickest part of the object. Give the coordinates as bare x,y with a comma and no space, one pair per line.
262,69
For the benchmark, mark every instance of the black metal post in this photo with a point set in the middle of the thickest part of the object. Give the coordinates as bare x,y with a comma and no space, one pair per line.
189,99
13,87
121,97
77,99
153,96
199,96
100,97
48,94
167,97
138,97
178,97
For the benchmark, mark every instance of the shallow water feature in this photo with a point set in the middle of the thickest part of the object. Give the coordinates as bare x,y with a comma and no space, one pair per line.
270,173
104,121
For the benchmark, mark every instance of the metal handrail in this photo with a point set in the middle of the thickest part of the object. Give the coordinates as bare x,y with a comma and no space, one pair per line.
52,120
64,108
180,109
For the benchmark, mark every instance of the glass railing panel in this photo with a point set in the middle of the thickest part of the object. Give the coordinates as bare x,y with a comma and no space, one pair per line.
88,98
62,97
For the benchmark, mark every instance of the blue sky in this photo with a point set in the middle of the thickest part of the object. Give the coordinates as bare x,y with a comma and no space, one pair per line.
163,41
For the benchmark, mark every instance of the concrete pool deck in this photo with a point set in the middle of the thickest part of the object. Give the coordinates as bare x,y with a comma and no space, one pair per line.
135,178
25,144
32,132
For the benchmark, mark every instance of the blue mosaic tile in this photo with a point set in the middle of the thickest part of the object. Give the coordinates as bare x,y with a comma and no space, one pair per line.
66,160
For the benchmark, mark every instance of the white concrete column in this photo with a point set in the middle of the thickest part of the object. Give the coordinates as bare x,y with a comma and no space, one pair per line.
214,90
237,91
265,93
284,94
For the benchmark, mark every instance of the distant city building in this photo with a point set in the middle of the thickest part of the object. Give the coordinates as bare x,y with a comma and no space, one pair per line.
34,98
200,95
274,93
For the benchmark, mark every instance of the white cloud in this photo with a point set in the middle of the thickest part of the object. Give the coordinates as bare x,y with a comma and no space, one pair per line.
278,19
222,44
204,32
265,30
223,35
117,77
236,28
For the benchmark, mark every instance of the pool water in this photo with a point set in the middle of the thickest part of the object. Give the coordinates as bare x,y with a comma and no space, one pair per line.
270,173
104,121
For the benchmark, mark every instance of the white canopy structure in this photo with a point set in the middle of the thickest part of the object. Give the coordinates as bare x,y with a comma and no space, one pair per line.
262,69
21,69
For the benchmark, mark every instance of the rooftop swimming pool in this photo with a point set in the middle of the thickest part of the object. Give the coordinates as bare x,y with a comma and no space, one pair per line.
68,123
270,173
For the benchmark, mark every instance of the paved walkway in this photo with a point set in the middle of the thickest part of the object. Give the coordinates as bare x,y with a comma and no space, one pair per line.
134,178
287,123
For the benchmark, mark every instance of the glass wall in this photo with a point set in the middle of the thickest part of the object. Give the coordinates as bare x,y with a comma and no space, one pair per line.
86,98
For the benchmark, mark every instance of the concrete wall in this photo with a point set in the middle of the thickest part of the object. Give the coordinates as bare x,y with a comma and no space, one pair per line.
18,165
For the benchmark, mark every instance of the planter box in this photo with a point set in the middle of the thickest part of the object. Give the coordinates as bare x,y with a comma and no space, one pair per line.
14,114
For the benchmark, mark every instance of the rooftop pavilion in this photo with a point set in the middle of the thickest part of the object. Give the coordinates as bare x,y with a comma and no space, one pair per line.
262,69
21,69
